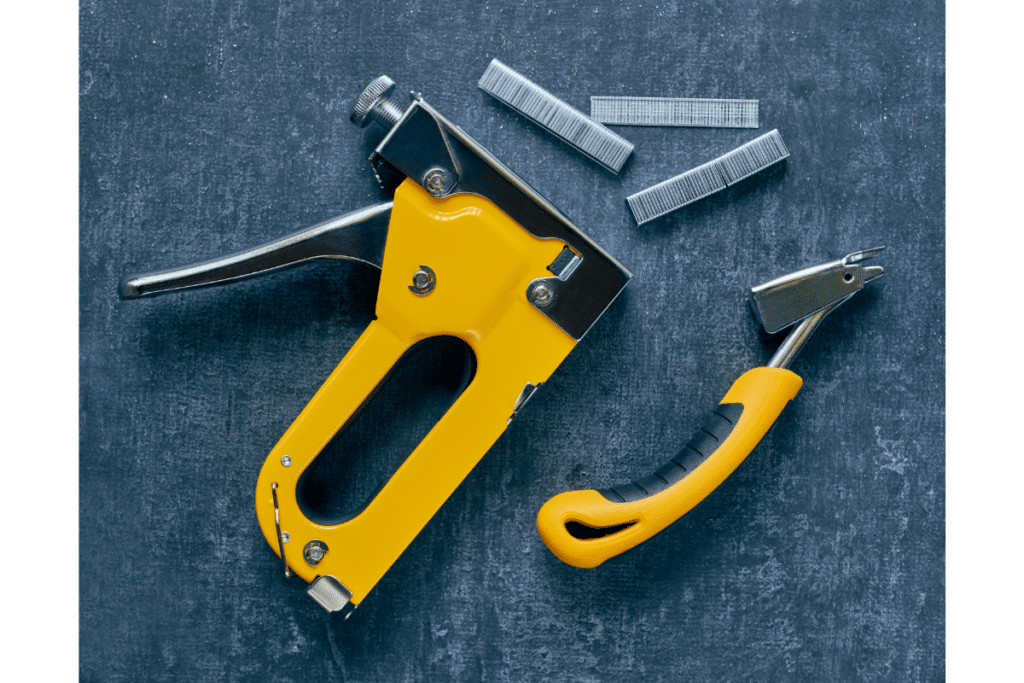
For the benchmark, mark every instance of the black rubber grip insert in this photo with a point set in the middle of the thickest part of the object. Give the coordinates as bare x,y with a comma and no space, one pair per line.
706,441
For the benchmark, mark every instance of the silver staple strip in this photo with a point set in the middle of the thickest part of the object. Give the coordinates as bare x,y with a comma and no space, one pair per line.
673,193
555,116
729,169
756,155
674,111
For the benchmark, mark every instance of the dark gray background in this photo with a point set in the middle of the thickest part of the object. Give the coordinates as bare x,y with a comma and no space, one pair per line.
208,127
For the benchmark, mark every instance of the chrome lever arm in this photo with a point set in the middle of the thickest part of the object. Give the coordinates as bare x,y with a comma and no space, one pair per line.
357,236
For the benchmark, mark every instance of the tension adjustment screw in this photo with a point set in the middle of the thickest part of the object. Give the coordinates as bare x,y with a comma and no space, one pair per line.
373,105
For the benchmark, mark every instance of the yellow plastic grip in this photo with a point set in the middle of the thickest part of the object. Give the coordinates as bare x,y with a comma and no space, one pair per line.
763,392
484,263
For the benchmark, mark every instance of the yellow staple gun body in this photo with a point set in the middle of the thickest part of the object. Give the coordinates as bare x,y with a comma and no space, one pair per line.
470,252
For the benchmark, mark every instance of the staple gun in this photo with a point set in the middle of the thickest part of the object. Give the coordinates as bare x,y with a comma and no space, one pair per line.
466,250
585,528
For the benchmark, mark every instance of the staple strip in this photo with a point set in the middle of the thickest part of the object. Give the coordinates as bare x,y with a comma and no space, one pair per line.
674,193
555,116
756,155
674,111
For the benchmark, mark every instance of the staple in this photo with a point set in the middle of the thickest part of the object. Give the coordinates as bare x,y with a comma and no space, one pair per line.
555,116
728,169
674,111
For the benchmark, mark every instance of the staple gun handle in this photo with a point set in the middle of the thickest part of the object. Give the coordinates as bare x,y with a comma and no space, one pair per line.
356,236
585,528
513,344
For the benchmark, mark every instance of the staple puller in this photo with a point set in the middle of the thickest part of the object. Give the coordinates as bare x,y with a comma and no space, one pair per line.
466,250
585,528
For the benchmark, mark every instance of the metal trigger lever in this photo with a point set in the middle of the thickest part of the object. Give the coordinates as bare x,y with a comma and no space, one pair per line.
280,534
357,236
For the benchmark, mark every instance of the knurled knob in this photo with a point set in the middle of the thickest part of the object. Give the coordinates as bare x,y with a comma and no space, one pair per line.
373,105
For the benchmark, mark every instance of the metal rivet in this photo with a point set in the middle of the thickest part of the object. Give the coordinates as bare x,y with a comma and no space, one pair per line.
423,281
314,552
542,294
286,460
285,536
433,181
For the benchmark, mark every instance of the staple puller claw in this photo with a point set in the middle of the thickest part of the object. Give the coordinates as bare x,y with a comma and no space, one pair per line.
467,252
585,528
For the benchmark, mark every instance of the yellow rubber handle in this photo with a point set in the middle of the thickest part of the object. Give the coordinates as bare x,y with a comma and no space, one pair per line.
483,263
615,527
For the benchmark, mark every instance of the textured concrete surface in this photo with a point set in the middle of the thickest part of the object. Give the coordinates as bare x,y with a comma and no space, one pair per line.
210,126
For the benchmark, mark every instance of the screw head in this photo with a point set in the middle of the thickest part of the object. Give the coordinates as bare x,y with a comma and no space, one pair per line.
542,294
286,460
433,181
423,281
314,552
285,536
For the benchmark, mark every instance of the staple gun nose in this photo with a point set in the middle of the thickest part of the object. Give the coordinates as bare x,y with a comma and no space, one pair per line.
585,528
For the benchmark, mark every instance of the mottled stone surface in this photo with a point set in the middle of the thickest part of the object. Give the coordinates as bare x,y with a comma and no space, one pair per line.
210,126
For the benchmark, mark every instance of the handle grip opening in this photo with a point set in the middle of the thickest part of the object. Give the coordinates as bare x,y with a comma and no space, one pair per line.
366,452
585,532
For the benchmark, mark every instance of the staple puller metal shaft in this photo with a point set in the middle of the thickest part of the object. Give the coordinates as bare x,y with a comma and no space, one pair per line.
467,251
585,528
